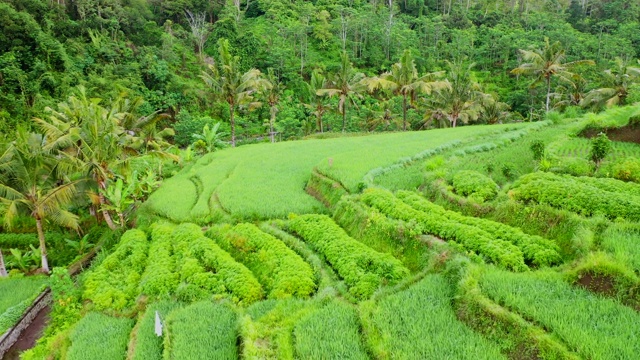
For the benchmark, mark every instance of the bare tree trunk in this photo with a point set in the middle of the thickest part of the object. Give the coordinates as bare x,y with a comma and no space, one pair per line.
404,112
320,122
3,268
43,246
344,113
548,92
233,125
274,111
105,213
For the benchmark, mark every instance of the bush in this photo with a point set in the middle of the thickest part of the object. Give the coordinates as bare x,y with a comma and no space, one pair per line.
583,195
279,269
536,250
362,268
537,148
627,169
98,336
114,284
498,251
201,331
475,185
600,147
186,125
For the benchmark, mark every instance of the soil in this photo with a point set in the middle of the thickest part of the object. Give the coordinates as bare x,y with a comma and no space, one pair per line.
629,133
29,336
600,284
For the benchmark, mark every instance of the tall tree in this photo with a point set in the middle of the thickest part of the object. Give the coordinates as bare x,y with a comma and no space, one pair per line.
403,80
545,64
314,101
229,84
617,82
272,95
345,84
32,182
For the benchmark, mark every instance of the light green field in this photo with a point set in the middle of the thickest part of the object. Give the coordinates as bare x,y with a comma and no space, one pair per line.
265,181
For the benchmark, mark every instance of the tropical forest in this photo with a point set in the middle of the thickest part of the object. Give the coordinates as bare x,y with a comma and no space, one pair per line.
319,180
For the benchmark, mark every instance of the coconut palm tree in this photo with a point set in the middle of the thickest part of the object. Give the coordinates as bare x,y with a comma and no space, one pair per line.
545,64
272,94
32,182
617,80
229,84
345,84
314,101
3,268
460,100
403,80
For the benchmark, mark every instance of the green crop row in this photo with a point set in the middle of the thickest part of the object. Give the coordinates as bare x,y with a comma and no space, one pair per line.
279,269
498,251
362,268
145,344
331,333
475,185
206,269
419,323
160,279
18,293
623,241
203,330
593,326
98,336
577,195
114,283
536,250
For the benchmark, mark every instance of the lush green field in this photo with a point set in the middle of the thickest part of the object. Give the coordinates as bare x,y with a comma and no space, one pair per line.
16,295
238,181
113,335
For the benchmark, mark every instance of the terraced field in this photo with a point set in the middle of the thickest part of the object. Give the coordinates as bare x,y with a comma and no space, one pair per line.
396,256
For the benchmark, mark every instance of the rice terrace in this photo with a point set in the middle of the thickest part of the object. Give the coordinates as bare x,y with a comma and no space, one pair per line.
319,180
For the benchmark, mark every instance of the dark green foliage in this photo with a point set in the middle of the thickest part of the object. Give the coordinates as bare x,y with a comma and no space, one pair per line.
474,185
362,268
112,332
536,250
507,171
114,283
600,147
498,251
538,149
203,330
627,169
583,195
279,269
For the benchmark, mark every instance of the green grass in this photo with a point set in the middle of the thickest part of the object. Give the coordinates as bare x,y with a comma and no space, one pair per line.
203,330
419,323
17,294
623,241
331,333
145,344
98,336
242,179
594,327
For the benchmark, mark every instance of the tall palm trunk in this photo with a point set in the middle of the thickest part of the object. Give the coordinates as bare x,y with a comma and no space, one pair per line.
233,125
103,201
274,111
3,268
319,120
43,246
404,112
344,112
548,91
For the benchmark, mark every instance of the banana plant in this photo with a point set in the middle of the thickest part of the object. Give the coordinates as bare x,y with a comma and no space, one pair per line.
81,246
119,199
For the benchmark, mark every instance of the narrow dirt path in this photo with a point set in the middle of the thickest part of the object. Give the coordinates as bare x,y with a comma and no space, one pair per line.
29,336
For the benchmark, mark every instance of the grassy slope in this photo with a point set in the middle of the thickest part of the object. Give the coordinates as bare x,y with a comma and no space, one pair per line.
16,290
243,178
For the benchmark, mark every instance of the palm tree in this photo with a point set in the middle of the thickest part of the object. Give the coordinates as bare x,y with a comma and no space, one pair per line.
460,100
346,83
142,131
3,268
31,183
618,81
314,101
228,84
272,95
546,63
571,91
403,80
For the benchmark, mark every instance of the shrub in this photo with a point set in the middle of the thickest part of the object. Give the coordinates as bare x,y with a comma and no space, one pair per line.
279,269
536,250
201,331
600,147
497,251
583,195
475,185
114,284
206,269
362,268
627,169
160,279
98,336
537,148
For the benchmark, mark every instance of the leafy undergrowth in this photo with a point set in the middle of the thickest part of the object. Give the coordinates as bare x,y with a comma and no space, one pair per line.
595,327
419,323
